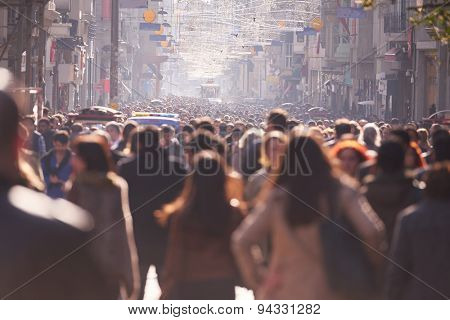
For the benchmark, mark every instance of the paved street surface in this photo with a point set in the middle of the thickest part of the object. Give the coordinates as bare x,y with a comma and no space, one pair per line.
152,290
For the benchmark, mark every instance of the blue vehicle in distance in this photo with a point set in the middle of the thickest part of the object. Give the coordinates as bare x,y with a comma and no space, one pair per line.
157,119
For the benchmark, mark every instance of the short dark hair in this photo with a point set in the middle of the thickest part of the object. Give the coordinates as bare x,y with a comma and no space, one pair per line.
61,137
128,128
188,128
205,140
77,127
145,139
167,129
391,156
402,135
438,181
278,119
206,123
95,152
438,134
442,148
44,120
341,127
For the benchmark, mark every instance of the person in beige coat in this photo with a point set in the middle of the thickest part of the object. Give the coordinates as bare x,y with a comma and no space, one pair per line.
294,206
98,190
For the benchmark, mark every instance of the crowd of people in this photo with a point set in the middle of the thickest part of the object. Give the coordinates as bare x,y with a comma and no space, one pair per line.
238,196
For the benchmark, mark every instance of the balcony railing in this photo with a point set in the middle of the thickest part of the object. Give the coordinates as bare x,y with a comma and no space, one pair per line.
395,22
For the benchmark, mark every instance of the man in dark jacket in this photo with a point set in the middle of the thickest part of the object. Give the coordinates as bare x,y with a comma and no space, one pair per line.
390,190
56,165
37,238
41,240
153,181
46,131
421,247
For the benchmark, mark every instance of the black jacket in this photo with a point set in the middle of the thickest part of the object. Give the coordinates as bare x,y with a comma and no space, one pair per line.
388,195
422,247
37,237
153,181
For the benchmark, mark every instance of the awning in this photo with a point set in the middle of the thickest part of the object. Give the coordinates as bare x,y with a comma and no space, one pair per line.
394,54
366,103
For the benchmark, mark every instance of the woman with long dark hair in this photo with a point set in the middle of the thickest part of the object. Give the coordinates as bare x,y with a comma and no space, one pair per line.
199,263
305,194
98,190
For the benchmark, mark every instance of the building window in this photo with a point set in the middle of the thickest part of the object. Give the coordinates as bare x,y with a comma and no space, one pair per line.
289,55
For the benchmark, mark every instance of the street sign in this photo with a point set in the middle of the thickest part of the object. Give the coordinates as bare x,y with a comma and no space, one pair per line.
133,4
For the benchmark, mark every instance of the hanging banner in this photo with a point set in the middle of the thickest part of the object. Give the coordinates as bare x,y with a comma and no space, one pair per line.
350,12
155,37
133,4
149,26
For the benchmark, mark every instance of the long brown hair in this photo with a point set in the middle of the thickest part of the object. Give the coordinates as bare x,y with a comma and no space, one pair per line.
203,205
307,176
94,152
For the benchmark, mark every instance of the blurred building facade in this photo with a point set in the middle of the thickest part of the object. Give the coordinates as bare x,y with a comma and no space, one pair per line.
360,62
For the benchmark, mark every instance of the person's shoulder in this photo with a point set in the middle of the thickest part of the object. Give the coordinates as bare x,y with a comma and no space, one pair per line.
175,165
117,181
347,184
418,215
37,134
47,157
35,205
126,162
369,179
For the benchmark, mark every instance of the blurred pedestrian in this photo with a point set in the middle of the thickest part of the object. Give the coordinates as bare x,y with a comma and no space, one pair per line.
199,263
56,166
301,197
46,131
153,181
390,190
97,189
37,231
351,155
421,247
